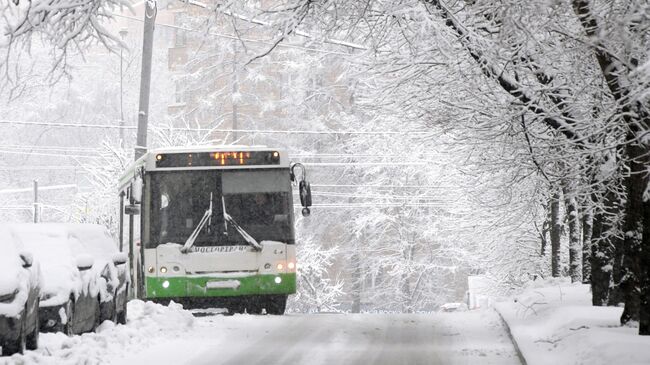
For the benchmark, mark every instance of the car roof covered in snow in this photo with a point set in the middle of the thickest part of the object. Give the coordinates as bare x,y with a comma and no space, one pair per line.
81,238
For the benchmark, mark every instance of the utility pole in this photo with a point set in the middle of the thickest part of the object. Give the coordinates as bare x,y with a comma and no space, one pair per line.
36,212
123,34
150,11
235,91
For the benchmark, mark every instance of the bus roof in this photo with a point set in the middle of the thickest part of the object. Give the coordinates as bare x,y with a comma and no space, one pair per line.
148,160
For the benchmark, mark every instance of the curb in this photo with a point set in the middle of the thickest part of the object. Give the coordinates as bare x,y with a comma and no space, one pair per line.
520,355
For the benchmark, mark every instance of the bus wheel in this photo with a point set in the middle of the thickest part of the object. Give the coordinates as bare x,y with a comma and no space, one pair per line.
276,305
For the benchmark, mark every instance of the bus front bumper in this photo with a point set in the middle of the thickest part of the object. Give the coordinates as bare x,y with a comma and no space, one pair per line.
206,286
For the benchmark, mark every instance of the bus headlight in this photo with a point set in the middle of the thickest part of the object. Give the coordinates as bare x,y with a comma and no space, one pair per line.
163,269
165,284
278,280
291,266
151,270
280,267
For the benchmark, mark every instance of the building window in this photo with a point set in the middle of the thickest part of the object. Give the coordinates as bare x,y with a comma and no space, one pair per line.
179,93
180,38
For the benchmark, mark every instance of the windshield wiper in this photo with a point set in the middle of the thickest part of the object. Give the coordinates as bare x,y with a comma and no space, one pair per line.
247,237
190,240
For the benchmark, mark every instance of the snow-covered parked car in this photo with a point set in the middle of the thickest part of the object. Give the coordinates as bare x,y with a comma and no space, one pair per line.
95,241
19,296
84,282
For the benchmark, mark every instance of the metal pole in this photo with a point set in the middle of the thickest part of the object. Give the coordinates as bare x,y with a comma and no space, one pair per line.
36,215
235,90
134,267
123,34
122,222
145,77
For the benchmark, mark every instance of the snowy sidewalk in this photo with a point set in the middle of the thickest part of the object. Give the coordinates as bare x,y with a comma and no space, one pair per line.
148,324
554,323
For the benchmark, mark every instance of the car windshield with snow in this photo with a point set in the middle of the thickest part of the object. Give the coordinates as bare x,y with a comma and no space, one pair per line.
19,296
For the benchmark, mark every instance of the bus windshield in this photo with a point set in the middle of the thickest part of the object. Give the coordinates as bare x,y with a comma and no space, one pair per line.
258,200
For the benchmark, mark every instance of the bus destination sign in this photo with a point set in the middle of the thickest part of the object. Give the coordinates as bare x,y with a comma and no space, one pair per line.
221,158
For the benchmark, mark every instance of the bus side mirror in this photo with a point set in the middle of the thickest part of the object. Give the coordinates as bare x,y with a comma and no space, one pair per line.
304,188
305,197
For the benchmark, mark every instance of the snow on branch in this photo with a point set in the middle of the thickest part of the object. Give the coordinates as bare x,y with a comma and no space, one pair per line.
510,85
63,24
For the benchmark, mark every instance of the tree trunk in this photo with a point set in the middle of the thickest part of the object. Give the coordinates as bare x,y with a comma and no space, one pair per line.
575,270
635,184
556,231
546,228
601,251
644,307
615,292
587,233
355,261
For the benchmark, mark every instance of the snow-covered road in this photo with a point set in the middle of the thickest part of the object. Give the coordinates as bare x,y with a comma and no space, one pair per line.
162,335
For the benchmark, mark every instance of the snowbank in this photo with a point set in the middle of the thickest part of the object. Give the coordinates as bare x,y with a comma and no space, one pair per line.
553,322
147,323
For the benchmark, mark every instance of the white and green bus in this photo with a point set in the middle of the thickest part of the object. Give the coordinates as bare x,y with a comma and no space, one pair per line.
212,226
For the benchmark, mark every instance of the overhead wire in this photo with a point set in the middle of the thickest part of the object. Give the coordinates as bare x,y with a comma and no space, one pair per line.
47,154
233,37
35,168
40,188
223,130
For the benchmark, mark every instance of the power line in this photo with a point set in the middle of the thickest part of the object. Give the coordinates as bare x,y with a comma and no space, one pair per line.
50,148
222,130
380,186
46,154
72,125
292,155
267,24
40,188
373,205
16,207
336,164
354,155
30,168
381,196
227,36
